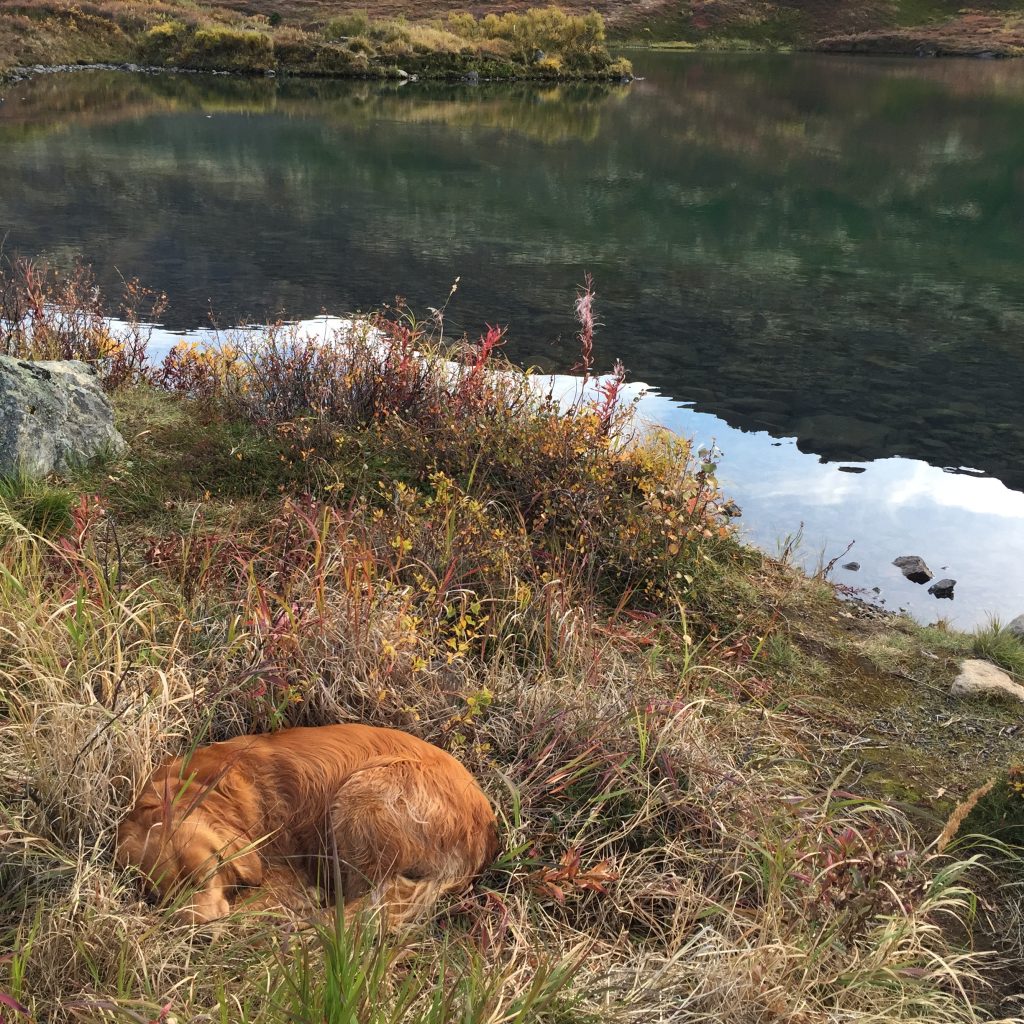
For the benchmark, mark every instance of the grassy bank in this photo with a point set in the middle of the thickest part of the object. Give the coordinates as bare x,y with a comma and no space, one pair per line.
909,27
536,43
719,788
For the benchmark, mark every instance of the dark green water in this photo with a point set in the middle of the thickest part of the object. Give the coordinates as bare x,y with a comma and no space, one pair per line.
828,251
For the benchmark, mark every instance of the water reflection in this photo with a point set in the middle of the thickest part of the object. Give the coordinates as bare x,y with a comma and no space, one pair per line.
818,251
965,527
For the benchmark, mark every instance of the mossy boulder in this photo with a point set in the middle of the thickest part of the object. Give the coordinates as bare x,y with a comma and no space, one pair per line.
53,416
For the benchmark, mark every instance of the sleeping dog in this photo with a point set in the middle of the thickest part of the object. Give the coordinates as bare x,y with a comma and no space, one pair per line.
388,817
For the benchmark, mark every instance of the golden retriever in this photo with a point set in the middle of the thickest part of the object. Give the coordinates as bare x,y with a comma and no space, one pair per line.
387,816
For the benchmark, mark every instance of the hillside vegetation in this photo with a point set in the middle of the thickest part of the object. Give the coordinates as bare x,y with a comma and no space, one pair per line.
502,39
719,788
915,27
536,43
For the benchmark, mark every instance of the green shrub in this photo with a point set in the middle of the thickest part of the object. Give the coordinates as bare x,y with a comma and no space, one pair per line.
360,44
354,23
550,30
303,54
207,48
1001,647
163,43
228,49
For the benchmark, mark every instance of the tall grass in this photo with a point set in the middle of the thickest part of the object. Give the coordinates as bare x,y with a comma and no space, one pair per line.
413,534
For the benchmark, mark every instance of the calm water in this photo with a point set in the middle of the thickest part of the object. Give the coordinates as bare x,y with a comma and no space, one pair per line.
817,262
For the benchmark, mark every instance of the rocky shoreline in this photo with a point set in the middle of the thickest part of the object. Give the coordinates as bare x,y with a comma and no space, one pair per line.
24,74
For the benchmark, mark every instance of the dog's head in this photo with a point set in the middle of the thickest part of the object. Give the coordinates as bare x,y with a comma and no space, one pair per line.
191,856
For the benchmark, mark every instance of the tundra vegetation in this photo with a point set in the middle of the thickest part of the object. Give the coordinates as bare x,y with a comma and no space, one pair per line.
541,43
339,37
722,792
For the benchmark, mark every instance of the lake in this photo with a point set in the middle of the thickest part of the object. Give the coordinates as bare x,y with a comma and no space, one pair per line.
816,262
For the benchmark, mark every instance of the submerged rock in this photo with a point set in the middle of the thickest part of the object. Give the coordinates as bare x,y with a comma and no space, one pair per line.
982,677
943,589
852,566
53,415
914,568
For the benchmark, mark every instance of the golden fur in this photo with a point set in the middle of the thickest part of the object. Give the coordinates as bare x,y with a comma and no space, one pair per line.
387,816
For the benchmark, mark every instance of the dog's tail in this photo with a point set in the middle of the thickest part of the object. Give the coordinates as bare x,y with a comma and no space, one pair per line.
400,901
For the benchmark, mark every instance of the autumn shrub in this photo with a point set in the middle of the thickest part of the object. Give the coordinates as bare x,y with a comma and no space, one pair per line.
352,23
49,314
546,41
578,39
634,520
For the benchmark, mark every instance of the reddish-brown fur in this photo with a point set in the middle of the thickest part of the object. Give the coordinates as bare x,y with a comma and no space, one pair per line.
388,816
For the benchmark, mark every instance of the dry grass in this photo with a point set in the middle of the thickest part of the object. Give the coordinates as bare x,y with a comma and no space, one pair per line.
561,612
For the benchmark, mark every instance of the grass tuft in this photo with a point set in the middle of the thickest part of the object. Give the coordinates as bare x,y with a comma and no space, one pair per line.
1001,647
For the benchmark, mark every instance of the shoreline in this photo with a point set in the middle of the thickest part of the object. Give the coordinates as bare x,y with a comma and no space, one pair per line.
27,72
838,47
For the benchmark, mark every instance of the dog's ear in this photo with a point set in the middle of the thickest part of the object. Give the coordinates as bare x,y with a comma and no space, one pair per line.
242,864
129,844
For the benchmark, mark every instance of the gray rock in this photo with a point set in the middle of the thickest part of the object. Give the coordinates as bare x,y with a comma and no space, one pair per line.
982,677
52,416
852,566
913,568
1016,627
943,589
473,77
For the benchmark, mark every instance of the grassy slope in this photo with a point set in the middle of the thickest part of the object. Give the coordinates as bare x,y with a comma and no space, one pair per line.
718,784
808,23
900,25
51,32
210,36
